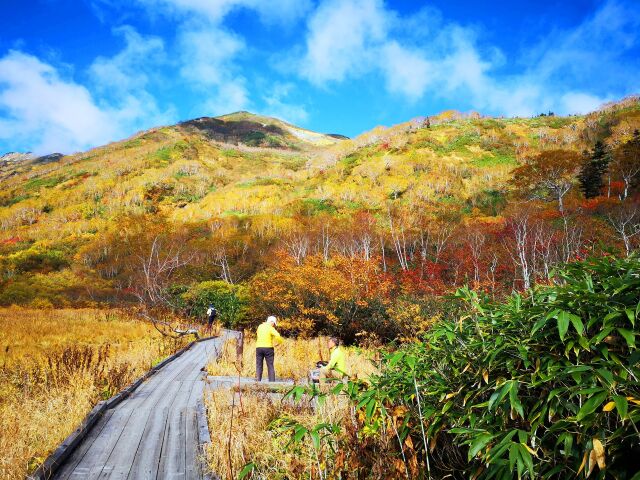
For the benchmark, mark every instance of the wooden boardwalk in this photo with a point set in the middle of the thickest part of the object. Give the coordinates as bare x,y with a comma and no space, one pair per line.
152,434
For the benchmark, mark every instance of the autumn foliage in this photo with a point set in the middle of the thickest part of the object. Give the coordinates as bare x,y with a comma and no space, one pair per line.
343,237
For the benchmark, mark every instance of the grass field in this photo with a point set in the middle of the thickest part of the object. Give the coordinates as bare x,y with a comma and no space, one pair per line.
55,365
293,359
250,427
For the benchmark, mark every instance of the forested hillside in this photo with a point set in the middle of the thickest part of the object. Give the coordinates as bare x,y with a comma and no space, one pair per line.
333,234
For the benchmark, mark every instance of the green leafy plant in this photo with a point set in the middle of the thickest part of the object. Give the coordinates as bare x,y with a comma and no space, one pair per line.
230,300
542,385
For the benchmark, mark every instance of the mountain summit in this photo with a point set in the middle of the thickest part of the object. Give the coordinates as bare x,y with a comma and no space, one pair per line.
258,131
242,164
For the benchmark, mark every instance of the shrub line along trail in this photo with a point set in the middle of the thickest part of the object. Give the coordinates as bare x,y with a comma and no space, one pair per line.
154,432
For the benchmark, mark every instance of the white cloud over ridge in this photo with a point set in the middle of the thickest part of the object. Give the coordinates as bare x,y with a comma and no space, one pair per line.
348,39
277,106
129,69
44,111
208,51
206,62
412,58
342,39
123,81
41,107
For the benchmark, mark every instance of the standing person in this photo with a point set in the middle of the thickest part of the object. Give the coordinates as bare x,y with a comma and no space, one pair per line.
267,336
337,366
212,314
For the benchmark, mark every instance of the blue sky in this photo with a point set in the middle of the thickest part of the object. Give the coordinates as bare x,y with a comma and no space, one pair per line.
80,73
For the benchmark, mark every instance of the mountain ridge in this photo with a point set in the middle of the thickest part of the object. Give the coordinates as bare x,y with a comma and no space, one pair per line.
261,122
236,148
61,221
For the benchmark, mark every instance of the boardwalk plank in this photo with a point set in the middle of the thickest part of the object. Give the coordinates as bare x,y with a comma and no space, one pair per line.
69,466
147,455
124,454
192,440
173,456
93,463
152,433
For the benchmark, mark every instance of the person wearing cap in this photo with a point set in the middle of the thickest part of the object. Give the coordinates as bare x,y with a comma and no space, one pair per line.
267,337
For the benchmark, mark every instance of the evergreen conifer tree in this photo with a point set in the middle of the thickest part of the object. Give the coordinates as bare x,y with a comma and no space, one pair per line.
593,169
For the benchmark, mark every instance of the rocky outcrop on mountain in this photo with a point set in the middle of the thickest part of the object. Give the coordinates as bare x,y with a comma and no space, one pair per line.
13,163
13,157
52,157
245,128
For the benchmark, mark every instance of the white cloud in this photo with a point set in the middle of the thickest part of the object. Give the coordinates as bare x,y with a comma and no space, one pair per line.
47,112
207,56
591,49
270,12
407,72
581,103
130,68
574,70
124,80
349,39
277,105
228,98
342,39
208,52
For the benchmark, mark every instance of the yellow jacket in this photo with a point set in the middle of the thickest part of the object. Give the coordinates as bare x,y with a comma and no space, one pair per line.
337,361
267,336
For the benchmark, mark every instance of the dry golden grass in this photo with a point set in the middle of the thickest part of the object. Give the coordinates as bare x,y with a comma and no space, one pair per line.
247,431
293,359
247,424
55,365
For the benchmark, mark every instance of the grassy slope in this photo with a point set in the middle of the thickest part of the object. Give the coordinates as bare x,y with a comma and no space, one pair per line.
460,163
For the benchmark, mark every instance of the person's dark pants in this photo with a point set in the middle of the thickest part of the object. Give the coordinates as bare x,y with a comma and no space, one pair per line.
265,353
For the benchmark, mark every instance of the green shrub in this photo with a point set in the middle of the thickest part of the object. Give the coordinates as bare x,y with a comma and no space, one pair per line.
539,386
36,260
166,155
350,162
7,201
491,202
494,160
230,300
231,152
315,206
60,288
538,383
136,142
254,138
38,183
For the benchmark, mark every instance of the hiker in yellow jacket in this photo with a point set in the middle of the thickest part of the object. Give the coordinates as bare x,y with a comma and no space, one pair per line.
337,366
267,337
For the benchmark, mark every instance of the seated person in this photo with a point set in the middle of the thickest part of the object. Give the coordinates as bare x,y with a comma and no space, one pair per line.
337,366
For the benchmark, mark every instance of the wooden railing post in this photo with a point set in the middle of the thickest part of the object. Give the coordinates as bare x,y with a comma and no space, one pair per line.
240,350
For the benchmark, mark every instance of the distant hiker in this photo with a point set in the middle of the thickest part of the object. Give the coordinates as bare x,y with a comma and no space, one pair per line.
212,314
267,336
337,366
